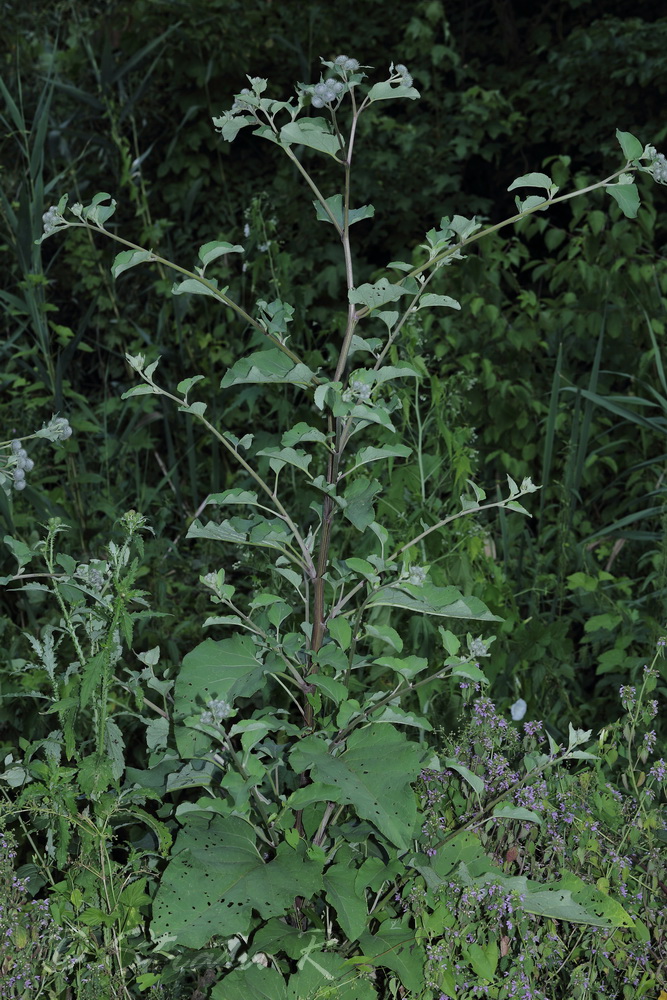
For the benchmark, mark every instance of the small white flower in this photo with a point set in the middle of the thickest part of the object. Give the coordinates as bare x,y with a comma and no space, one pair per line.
518,710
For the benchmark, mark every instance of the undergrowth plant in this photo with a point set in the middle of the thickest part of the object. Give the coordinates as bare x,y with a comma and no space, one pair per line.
326,841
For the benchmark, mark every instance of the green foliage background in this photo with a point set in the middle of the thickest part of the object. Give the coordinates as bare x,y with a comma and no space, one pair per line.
569,305
123,94
552,369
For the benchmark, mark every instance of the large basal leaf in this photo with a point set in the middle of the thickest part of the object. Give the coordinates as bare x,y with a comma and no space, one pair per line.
321,975
343,893
374,774
225,669
427,599
394,947
277,937
218,875
267,366
325,974
568,899
253,982
464,849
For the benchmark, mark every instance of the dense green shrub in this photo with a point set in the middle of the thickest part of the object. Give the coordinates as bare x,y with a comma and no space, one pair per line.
129,742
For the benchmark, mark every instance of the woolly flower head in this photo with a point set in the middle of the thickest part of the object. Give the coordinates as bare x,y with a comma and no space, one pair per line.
326,92
21,464
660,169
346,64
218,710
417,575
57,429
52,220
478,647
401,71
357,390
657,164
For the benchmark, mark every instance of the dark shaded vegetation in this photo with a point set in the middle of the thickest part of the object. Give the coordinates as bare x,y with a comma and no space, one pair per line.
552,369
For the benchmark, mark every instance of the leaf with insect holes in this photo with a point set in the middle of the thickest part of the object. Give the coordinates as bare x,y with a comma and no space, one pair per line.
385,91
430,299
377,294
218,876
